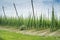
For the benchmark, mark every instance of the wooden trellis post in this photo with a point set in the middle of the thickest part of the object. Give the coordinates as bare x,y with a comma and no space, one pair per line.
3,11
33,12
15,9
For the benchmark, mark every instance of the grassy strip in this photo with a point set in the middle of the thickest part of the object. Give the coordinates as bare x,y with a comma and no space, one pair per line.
6,35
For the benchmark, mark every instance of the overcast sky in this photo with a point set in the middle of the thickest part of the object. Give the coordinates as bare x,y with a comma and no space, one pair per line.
24,7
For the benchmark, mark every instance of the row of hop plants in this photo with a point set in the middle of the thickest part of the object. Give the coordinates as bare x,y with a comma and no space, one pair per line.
31,22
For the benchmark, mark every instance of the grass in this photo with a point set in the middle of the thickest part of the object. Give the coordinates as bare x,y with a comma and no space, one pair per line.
6,35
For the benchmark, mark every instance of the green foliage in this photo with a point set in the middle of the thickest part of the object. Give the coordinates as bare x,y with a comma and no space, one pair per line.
32,22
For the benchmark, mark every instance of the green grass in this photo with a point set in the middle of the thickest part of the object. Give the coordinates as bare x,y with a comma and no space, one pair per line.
6,35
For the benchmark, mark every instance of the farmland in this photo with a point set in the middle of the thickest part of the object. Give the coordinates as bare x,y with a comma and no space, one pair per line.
32,27
32,22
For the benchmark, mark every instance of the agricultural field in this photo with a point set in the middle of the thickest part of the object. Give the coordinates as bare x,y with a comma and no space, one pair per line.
32,22
36,26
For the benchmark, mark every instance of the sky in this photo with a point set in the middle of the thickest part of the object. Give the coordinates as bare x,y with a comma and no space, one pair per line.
24,7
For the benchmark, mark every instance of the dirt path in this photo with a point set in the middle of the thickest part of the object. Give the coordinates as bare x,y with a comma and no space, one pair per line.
33,32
